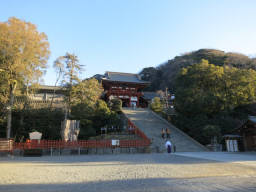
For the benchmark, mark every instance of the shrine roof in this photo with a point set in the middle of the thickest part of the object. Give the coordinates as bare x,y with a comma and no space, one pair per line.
151,95
123,77
49,87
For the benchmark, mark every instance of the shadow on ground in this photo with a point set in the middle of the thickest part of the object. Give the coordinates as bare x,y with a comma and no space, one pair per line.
211,184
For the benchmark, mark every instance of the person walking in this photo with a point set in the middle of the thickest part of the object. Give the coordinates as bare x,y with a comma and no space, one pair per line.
168,133
168,146
163,133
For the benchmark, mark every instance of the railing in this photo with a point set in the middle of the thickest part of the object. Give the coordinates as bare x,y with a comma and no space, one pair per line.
137,131
60,144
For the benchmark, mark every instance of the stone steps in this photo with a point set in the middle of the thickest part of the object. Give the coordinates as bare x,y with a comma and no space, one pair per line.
151,124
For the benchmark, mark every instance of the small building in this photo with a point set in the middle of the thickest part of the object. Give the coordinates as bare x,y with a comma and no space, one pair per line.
166,98
149,96
44,96
248,133
47,93
125,86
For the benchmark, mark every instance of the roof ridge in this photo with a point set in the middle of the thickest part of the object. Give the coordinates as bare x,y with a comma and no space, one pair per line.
121,73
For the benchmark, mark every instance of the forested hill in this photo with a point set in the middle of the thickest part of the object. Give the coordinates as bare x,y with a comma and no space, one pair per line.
163,76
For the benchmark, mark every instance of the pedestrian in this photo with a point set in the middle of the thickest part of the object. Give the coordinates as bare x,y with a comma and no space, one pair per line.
168,133
174,148
163,133
168,146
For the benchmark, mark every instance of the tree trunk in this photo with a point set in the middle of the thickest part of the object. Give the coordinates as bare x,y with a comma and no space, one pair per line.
70,91
9,111
57,80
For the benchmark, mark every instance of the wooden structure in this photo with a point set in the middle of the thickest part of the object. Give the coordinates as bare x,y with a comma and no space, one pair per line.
148,97
248,132
47,93
59,144
6,145
44,96
125,86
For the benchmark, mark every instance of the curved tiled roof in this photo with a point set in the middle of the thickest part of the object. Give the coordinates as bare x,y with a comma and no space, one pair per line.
151,95
50,87
123,77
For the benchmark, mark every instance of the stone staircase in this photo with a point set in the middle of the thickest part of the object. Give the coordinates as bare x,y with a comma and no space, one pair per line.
151,124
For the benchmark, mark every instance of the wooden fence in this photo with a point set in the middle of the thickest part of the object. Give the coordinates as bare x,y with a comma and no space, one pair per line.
60,144
138,132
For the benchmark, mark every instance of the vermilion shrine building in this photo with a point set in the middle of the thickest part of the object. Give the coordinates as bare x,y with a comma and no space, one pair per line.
125,86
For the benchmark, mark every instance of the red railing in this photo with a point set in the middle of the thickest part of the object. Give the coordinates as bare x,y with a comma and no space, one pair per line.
59,144
137,131
48,144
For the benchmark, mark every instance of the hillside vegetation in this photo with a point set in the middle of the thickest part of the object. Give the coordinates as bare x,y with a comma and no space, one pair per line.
163,76
214,91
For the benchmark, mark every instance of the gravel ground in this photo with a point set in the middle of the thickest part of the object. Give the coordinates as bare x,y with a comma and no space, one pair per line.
124,172
245,158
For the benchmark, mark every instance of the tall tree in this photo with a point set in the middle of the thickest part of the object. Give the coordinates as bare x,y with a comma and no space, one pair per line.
72,68
59,69
23,56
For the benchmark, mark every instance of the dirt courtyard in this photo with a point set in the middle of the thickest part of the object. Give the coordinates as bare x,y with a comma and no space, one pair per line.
128,172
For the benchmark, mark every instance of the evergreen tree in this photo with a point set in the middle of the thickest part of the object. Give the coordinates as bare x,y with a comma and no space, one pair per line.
115,105
157,105
71,69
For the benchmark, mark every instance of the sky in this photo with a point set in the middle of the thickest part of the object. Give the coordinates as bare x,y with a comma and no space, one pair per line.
128,35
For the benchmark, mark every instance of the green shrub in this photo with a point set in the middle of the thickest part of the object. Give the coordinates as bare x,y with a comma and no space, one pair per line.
157,105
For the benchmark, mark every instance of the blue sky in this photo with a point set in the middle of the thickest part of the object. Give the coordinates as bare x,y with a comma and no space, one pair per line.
128,35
